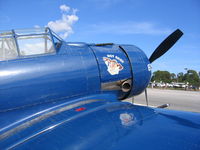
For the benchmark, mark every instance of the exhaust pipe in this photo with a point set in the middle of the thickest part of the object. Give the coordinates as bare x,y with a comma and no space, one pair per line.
126,86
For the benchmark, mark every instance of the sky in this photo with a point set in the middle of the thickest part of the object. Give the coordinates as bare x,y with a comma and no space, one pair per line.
144,23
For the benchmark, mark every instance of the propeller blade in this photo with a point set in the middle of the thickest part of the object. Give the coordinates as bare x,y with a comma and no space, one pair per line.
166,45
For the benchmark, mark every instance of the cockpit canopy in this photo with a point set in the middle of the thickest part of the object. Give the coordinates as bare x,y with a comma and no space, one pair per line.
27,43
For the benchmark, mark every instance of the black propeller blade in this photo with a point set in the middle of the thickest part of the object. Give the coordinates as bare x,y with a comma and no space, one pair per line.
166,45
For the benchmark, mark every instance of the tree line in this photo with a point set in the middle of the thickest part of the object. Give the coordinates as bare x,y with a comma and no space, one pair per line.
191,77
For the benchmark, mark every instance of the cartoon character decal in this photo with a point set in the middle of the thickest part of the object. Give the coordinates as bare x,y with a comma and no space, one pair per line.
113,66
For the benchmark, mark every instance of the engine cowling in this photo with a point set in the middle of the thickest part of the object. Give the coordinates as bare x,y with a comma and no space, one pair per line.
123,68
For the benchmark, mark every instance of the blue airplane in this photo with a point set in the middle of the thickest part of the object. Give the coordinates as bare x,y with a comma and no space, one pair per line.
61,95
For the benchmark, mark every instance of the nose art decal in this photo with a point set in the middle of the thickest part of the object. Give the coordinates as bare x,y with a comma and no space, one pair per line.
113,67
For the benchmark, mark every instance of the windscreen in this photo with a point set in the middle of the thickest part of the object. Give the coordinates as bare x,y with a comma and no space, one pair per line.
36,44
8,49
22,43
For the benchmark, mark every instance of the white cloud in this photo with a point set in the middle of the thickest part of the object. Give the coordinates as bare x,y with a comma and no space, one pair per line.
64,8
64,25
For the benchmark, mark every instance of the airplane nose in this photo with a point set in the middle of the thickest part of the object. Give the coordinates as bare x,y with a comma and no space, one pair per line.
124,69
140,68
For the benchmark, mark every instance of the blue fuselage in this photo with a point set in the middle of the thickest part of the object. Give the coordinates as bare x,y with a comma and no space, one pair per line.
75,69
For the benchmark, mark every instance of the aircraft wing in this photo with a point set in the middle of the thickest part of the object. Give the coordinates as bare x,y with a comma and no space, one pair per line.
98,122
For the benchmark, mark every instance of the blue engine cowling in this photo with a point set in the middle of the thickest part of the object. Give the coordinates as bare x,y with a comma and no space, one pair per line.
123,68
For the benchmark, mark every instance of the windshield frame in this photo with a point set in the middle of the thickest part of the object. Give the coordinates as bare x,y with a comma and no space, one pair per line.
15,34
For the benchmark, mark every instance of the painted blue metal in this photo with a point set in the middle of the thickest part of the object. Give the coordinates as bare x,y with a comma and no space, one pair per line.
140,68
48,78
40,116
102,126
58,101
55,76
112,52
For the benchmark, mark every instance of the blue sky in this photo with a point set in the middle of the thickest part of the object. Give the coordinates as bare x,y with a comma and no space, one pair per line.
143,23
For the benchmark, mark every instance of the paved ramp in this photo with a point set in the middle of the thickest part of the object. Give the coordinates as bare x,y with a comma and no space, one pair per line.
178,100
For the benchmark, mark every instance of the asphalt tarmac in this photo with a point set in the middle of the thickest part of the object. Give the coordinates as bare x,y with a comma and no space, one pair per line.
178,99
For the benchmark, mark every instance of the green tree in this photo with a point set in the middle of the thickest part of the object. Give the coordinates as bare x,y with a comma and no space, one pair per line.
173,77
180,77
163,76
192,77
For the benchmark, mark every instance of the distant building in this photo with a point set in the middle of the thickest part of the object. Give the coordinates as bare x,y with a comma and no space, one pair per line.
169,85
